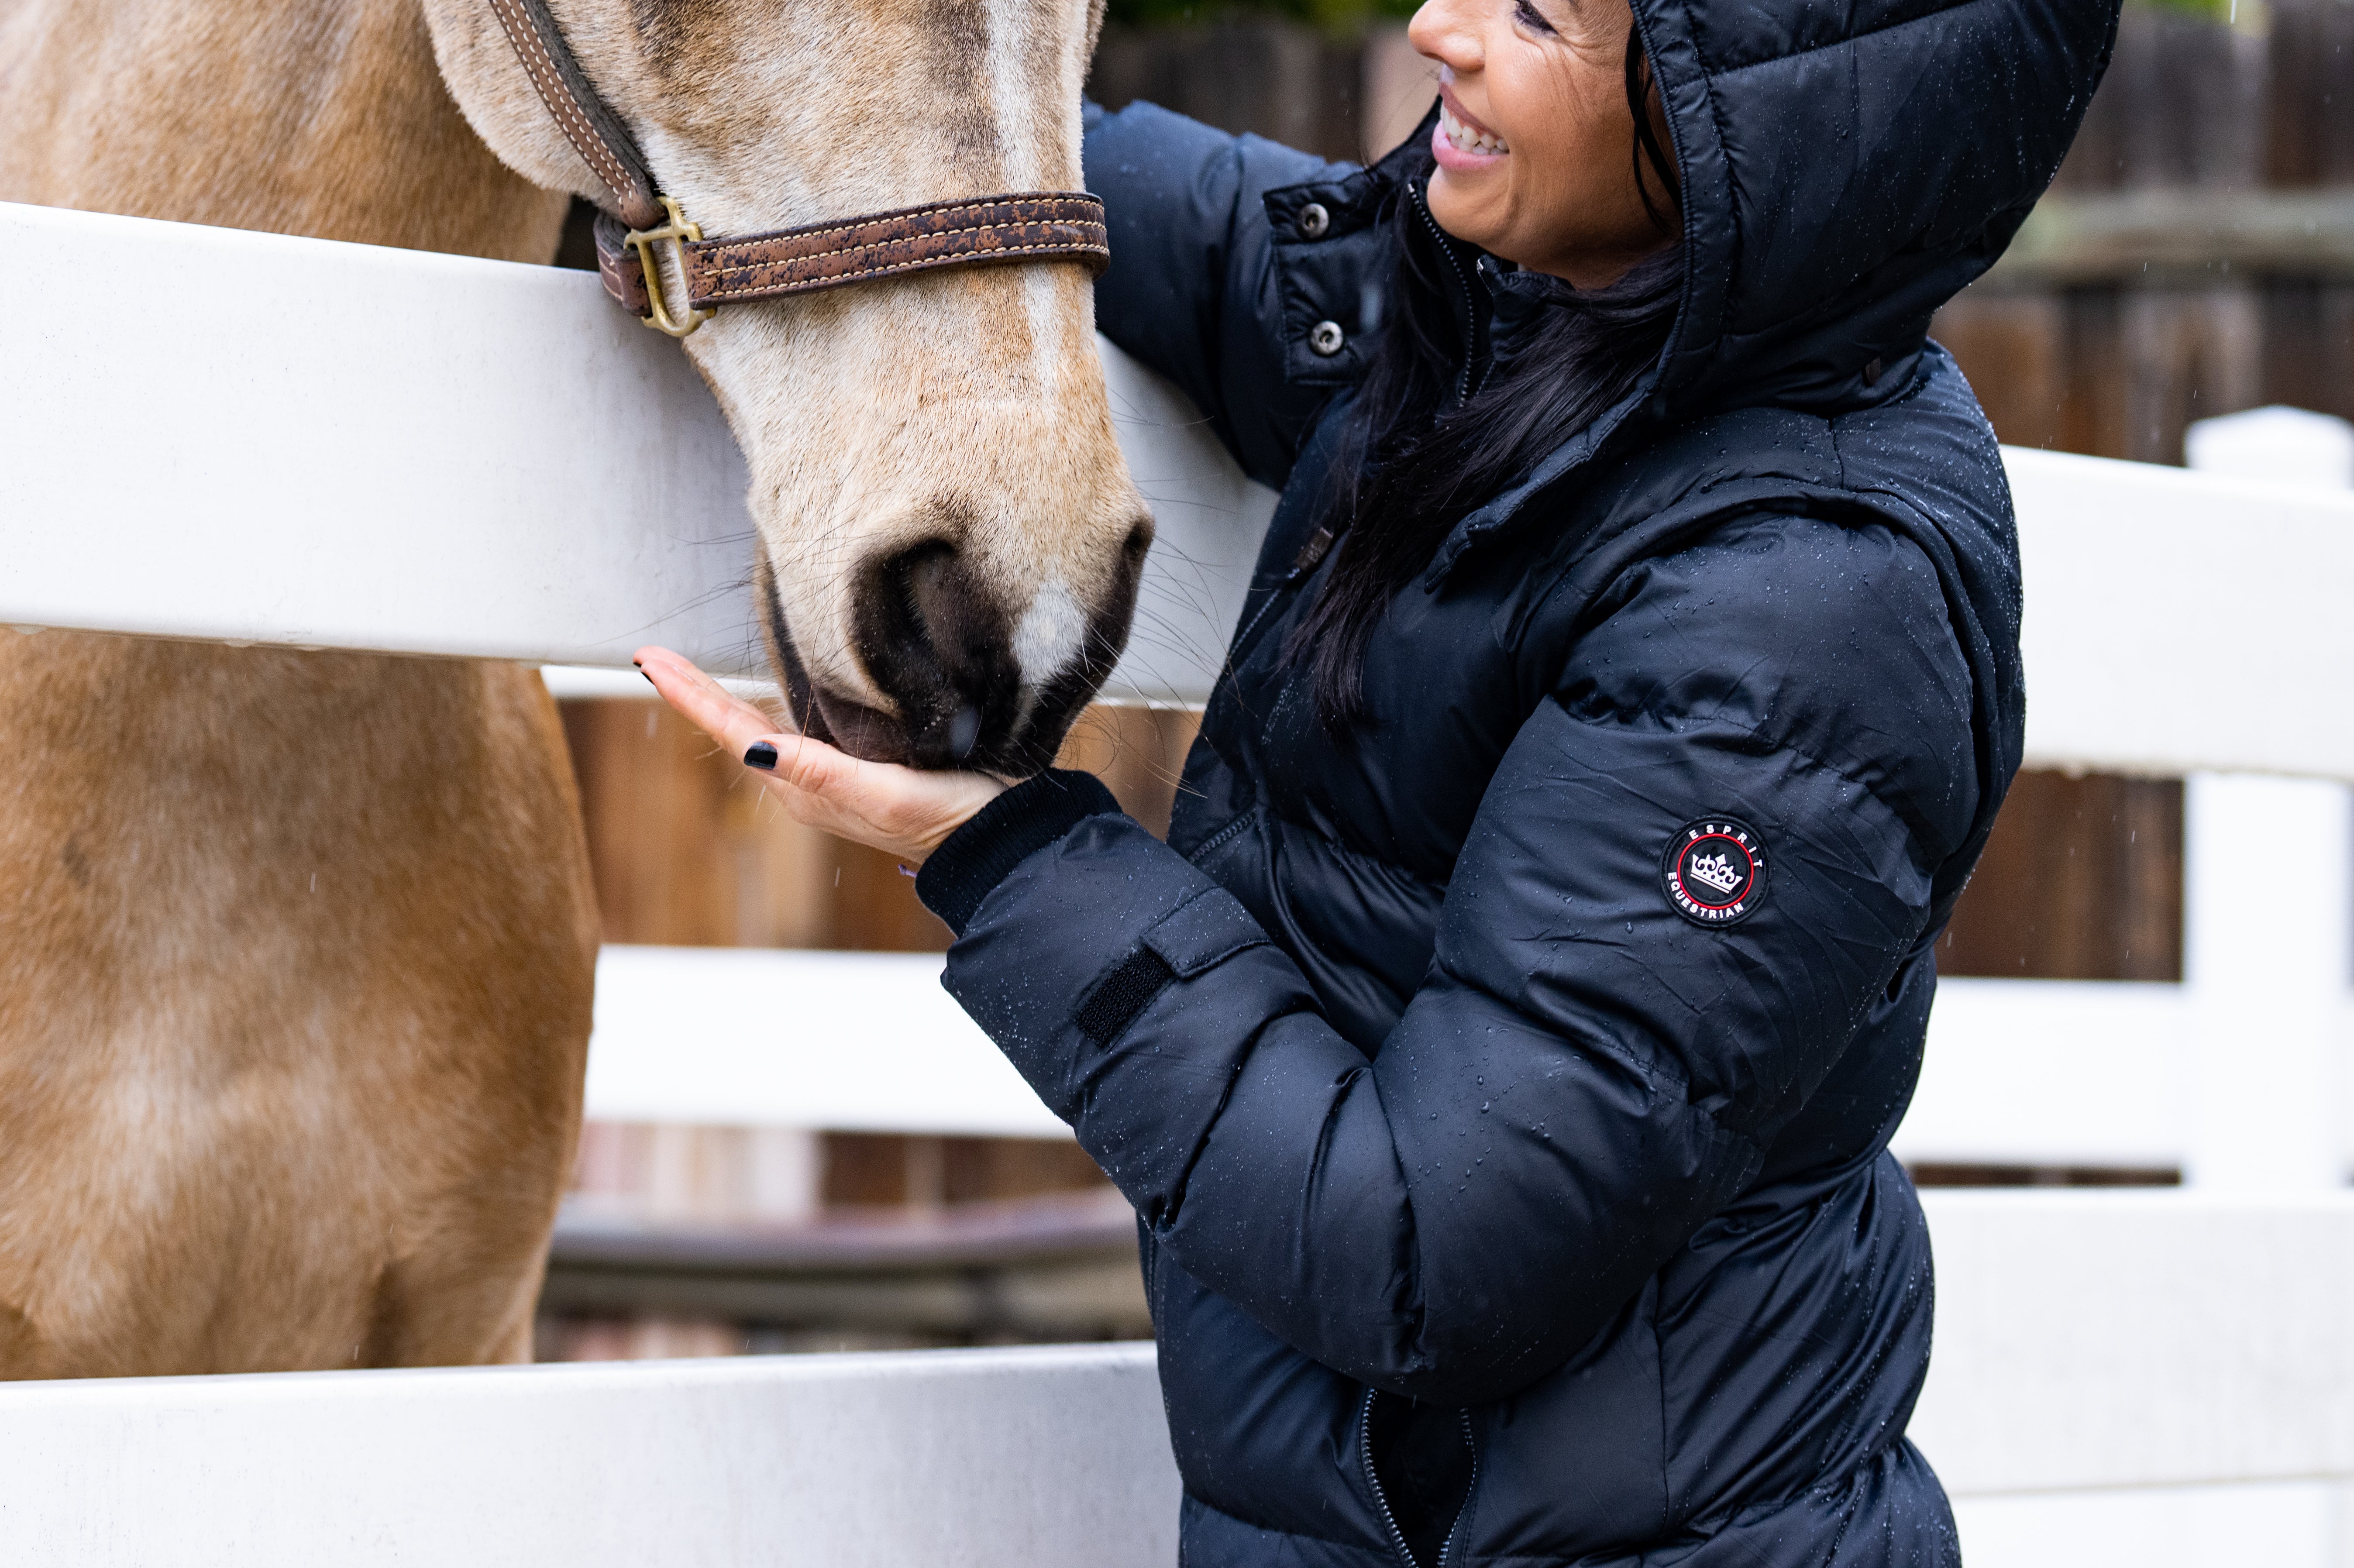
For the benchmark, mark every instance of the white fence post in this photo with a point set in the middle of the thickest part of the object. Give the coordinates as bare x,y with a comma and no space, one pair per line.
2268,912
2265,939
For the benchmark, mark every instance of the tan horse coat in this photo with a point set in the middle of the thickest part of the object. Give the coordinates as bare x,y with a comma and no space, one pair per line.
295,949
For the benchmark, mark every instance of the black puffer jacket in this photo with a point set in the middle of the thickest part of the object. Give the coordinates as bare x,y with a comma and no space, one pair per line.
1505,1095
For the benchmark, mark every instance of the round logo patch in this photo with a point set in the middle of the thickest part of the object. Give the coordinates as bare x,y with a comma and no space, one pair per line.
1714,870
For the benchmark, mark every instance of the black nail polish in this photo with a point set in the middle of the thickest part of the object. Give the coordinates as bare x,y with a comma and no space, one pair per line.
762,755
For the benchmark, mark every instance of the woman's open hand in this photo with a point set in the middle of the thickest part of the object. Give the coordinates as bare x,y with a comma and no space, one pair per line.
900,811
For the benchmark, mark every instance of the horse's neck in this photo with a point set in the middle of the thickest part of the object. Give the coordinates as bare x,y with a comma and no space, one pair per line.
318,117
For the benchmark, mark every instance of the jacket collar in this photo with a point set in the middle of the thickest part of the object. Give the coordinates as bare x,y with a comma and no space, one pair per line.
1494,305
1484,295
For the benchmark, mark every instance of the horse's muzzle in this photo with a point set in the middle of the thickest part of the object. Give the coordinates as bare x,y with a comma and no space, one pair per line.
948,649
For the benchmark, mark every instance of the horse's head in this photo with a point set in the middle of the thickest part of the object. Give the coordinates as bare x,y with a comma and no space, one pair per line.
949,542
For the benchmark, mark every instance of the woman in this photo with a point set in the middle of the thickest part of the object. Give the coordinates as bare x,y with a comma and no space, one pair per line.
1501,1054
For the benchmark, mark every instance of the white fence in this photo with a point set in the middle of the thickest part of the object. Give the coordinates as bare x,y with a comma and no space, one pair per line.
432,455
312,444
2122,1381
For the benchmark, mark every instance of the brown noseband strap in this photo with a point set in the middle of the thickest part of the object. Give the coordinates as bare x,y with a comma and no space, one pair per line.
1027,225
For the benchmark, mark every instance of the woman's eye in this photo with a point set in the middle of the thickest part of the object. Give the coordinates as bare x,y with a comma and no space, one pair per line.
1529,16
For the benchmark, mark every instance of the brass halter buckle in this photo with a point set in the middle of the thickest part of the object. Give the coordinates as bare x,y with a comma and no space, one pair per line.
678,231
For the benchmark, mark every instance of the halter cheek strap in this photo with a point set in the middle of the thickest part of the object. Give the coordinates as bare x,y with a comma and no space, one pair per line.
1022,226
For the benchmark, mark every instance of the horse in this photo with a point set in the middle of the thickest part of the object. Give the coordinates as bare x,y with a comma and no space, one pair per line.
297,948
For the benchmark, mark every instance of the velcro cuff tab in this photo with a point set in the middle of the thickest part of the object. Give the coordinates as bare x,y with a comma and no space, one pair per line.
1204,931
1128,990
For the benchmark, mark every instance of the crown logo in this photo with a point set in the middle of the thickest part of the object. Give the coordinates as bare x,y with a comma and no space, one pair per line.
1716,870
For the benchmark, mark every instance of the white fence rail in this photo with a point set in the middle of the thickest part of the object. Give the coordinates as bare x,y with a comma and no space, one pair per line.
430,455
418,453
433,454
846,1041
2167,630
2122,1381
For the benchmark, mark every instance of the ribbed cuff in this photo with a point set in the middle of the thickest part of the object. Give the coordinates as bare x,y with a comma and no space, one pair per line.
1002,834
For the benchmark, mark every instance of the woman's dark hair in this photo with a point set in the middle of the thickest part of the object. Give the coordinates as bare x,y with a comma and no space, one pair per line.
1406,464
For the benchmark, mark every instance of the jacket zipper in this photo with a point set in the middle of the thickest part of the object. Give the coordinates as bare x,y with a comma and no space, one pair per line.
1470,1489
1220,839
1471,339
1241,643
1382,1499
1239,649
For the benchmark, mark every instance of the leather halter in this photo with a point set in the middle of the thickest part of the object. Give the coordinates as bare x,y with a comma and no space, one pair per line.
1025,225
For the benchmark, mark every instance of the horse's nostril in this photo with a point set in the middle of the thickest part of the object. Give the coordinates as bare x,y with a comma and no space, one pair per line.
925,577
964,732
936,639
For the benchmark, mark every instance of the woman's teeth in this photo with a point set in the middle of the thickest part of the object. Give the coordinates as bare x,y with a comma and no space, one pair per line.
1466,140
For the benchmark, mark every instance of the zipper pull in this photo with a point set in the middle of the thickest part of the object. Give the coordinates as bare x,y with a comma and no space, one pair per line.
1311,554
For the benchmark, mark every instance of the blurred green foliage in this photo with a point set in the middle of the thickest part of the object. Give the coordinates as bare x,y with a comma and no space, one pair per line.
1339,17
2213,10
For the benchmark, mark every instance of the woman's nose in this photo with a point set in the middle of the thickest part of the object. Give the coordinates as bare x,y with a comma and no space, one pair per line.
1447,31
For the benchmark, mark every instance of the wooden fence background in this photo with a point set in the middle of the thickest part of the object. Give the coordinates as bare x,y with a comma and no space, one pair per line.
2211,267
2195,258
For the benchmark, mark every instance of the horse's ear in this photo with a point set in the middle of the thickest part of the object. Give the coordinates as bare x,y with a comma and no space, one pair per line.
579,111
492,90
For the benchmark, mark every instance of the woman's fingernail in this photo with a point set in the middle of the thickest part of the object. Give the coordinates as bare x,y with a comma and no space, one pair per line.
762,755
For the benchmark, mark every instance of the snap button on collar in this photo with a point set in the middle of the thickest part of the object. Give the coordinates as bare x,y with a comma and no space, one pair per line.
1314,220
1325,339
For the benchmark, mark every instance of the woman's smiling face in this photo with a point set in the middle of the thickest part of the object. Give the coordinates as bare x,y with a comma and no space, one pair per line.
1534,140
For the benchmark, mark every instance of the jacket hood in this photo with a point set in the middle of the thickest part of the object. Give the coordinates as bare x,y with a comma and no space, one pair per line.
1848,166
